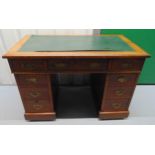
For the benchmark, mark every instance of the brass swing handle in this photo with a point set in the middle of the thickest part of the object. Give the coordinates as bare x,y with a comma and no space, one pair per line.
119,92
127,65
122,79
94,65
28,65
116,105
35,94
60,65
37,106
32,80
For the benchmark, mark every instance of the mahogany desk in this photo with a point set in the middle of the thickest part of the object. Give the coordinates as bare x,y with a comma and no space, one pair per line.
113,61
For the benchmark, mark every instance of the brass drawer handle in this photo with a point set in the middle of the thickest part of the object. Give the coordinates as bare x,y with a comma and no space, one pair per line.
122,79
119,92
34,94
116,105
126,65
37,106
60,65
32,80
28,65
94,65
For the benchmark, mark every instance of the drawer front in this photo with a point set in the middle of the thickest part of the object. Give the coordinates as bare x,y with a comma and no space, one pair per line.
37,106
121,80
28,65
115,104
91,65
119,92
34,93
77,65
32,80
126,64
59,65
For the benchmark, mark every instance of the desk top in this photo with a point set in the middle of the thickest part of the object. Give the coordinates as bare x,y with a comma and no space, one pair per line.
46,46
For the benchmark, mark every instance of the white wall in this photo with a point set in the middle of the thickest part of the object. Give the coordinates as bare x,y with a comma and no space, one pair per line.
8,37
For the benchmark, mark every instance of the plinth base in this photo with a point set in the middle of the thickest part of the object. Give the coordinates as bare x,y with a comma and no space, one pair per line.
40,116
113,115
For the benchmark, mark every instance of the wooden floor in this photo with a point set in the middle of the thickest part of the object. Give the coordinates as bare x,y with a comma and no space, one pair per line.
142,109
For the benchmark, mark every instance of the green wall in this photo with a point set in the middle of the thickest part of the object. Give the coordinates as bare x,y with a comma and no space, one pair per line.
145,38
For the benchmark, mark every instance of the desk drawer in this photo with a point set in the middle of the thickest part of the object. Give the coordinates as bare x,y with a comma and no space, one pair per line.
115,104
122,80
26,80
119,92
34,93
28,65
77,65
37,106
91,65
126,64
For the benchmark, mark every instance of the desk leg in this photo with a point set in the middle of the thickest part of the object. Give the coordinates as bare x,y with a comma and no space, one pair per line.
37,97
118,91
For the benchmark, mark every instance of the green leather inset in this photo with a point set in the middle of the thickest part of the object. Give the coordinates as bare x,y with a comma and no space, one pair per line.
75,43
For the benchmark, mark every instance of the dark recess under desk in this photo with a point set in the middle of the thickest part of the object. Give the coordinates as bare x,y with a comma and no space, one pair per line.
77,99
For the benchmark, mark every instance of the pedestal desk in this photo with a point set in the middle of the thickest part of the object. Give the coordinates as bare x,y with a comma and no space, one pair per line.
112,62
